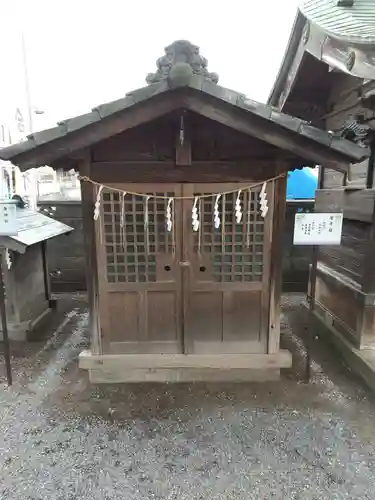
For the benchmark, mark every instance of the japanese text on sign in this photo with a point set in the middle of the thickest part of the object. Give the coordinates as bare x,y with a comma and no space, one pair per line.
317,229
8,219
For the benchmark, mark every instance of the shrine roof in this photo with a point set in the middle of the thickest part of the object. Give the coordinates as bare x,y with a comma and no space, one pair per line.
350,21
33,228
182,67
346,26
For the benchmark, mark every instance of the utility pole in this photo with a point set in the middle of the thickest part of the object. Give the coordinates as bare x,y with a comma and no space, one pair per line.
27,85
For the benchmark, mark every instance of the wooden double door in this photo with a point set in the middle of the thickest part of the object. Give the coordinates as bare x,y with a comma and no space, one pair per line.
166,287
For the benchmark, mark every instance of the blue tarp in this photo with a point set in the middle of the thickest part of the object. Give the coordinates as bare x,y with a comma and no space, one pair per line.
302,184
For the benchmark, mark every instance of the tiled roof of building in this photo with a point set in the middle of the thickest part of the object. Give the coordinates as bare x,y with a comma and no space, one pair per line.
353,23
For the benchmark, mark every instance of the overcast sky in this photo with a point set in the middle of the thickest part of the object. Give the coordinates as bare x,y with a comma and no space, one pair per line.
82,53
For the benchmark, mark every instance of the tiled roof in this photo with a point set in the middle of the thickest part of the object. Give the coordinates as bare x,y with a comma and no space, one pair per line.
354,24
34,227
199,84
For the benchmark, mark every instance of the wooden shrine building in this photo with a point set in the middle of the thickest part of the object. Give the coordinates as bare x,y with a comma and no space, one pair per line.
328,78
183,191
29,300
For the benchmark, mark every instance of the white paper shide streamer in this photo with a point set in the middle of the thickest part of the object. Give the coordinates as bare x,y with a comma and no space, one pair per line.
8,259
263,201
97,203
217,221
145,215
194,215
238,208
145,223
122,219
122,210
169,215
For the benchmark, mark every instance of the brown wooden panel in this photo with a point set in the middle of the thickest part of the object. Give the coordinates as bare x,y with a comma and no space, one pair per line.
333,178
329,200
124,313
349,258
129,118
339,302
152,141
358,174
359,205
145,347
205,319
163,320
245,314
356,205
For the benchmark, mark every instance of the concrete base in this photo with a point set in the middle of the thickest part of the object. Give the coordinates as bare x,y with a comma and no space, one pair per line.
23,331
360,361
127,368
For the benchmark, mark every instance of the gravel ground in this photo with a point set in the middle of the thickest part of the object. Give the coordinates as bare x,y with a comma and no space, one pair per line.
61,438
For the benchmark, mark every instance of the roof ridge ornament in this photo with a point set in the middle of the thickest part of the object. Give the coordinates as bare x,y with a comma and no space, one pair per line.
181,60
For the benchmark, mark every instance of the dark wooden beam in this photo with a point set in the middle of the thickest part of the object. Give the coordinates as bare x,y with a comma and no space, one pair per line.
88,200
370,167
167,172
47,281
183,141
65,164
262,129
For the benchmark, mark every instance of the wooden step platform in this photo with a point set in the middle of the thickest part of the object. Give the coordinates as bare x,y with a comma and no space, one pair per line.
117,368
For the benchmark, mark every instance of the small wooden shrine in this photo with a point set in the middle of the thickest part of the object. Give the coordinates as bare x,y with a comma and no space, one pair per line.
183,192
26,273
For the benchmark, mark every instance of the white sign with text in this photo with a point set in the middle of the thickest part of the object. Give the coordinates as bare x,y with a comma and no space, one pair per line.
317,229
8,218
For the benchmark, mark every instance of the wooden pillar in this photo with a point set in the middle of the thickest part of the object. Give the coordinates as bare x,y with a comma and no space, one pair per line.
47,281
314,256
368,271
88,202
276,265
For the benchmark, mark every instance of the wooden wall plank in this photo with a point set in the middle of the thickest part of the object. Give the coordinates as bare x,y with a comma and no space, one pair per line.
356,205
88,200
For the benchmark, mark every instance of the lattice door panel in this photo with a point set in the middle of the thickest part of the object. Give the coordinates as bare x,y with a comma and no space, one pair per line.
236,249
135,233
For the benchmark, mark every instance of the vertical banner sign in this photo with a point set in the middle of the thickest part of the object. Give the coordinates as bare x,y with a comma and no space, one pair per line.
318,229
